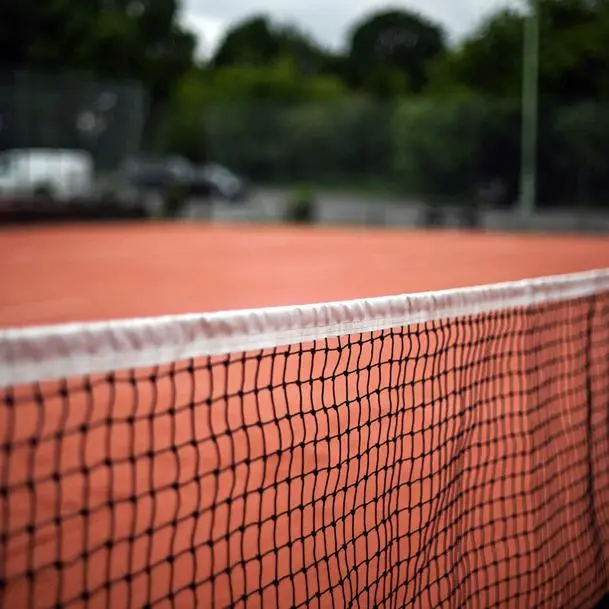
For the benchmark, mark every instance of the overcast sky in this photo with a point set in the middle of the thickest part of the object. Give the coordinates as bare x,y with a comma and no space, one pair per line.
326,20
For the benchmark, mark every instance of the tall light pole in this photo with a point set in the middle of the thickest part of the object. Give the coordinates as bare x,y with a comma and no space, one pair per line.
530,111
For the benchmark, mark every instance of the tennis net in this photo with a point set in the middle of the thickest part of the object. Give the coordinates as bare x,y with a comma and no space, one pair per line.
439,449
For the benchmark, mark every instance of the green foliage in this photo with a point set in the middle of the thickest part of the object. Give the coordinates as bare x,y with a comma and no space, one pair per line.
346,137
436,146
257,41
390,44
139,39
572,62
312,140
488,62
449,150
246,137
580,133
574,54
398,106
184,130
239,114
278,82
250,42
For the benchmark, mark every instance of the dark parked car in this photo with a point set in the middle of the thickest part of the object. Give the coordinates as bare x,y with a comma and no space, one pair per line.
225,184
158,174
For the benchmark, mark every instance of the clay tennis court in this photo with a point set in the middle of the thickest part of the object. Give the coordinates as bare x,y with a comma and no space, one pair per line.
88,273
296,452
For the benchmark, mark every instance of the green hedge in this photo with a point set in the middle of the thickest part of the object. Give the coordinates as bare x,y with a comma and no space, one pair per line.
441,150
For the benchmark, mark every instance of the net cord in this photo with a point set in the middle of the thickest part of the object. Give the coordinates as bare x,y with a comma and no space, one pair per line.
44,353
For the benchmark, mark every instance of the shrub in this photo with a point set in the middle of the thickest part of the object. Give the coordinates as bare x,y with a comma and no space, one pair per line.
301,207
43,191
174,200
432,216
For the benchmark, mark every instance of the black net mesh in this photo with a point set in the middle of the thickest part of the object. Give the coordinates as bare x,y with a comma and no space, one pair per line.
458,463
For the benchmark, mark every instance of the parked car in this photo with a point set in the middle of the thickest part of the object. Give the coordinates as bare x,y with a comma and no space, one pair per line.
158,173
151,176
148,182
60,175
224,183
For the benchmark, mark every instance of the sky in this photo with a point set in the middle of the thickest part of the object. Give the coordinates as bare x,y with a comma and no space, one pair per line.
326,20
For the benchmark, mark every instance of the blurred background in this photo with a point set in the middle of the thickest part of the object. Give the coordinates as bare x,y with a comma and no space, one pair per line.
484,114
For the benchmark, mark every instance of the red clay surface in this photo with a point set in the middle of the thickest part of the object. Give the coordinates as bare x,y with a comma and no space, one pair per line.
53,275
457,519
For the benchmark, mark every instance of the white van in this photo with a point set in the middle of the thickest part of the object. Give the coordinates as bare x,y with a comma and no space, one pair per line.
60,174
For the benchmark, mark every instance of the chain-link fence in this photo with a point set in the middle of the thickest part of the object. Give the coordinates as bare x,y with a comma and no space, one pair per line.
436,150
76,111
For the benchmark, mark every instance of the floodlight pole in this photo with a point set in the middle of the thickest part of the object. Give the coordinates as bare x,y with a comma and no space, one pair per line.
530,111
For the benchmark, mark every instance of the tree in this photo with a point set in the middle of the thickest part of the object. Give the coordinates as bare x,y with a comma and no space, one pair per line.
399,42
258,41
234,113
279,81
573,48
26,22
250,42
138,39
489,61
573,55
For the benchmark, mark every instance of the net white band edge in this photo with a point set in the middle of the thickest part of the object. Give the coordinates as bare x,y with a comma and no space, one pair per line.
69,350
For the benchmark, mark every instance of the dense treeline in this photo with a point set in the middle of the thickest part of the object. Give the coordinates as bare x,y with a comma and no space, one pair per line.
400,106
